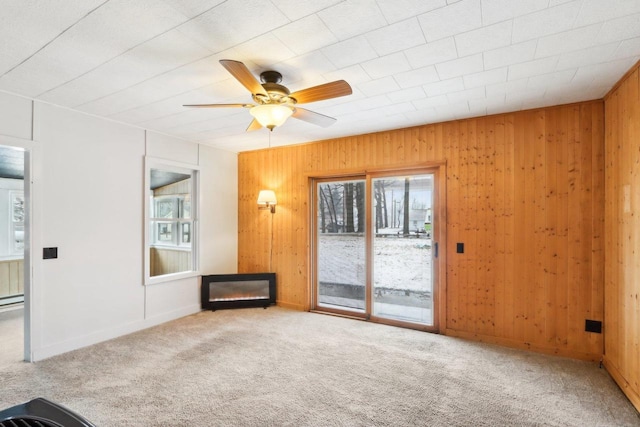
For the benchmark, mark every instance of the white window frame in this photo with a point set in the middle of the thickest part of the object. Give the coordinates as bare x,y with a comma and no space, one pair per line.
149,237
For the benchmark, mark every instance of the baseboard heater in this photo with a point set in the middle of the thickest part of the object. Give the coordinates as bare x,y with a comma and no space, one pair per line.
220,291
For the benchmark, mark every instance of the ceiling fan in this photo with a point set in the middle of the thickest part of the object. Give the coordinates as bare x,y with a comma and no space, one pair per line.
274,104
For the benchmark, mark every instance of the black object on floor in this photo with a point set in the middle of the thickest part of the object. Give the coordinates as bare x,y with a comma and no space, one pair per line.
41,412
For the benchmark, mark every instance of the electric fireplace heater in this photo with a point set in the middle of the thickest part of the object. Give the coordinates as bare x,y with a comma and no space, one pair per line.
238,290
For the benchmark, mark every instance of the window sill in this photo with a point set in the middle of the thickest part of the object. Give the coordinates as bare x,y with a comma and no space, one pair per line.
170,277
172,248
12,257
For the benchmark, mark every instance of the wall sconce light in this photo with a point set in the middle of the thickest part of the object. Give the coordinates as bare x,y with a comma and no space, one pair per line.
267,200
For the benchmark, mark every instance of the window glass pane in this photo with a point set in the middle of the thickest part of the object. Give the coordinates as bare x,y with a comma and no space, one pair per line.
18,238
17,208
170,221
165,208
402,248
165,232
16,235
185,207
341,246
186,233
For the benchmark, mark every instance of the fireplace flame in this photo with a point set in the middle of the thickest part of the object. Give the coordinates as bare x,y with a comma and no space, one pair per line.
239,298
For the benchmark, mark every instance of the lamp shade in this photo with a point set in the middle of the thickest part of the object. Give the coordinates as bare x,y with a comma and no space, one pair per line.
267,198
271,115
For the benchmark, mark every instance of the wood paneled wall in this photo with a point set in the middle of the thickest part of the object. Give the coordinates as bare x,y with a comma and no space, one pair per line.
11,277
622,231
168,261
525,193
177,188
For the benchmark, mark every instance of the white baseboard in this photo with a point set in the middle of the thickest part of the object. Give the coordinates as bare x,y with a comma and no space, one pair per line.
172,315
115,332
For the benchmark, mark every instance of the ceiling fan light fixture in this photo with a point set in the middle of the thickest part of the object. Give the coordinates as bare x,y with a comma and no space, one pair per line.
274,103
271,115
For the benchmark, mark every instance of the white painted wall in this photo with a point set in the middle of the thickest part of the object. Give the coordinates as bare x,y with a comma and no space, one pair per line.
218,223
88,202
219,211
15,116
91,202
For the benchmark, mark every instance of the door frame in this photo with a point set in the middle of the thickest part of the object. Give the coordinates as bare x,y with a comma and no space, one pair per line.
438,169
31,154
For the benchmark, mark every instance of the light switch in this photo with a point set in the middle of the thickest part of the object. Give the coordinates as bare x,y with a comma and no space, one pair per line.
49,253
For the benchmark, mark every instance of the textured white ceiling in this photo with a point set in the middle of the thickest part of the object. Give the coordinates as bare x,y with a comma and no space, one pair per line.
409,62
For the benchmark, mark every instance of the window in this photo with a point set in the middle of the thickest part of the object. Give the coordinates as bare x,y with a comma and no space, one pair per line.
171,221
17,222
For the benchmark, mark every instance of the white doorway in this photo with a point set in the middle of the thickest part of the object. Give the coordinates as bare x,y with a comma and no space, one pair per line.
15,277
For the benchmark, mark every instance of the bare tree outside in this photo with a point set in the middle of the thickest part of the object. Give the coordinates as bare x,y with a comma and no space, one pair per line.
377,194
360,206
323,213
383,200
348,207
405,221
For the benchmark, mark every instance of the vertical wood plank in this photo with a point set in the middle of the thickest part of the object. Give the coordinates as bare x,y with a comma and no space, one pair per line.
529,218
540,227
451,147
509,284
467,293
550,219
598,218
613,147
574,270
5,281
499,214
561,226
521,256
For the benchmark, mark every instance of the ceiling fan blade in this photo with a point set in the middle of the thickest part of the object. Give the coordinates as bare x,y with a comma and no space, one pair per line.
321,92
313,117
254,125
219,105
244,76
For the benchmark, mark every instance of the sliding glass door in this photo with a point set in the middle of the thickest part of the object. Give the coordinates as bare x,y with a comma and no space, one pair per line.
402,248
341,245
375,246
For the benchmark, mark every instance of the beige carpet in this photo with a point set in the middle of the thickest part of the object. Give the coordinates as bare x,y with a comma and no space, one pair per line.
276,367
11,335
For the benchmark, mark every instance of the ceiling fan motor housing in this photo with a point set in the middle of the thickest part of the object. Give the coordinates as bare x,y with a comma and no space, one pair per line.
270,77
278,94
